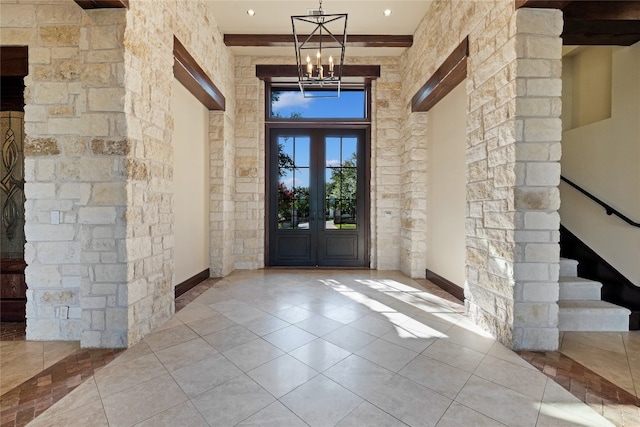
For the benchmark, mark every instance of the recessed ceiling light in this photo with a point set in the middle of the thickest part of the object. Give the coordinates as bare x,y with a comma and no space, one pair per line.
387,12
251,12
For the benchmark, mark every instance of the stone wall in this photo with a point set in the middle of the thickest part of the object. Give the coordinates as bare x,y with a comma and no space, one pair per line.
538,134
74,165
148,41
513,135
98,150
386,164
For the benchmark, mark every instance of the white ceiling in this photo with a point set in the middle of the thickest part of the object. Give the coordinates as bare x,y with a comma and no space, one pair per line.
274,17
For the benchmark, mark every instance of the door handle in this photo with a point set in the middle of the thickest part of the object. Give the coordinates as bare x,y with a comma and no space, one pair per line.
312,216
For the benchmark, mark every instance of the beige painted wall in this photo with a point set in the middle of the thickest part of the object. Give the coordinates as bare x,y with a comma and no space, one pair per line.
604,158
190,180
446,190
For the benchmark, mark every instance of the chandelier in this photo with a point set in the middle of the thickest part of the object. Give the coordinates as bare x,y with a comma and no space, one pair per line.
320,41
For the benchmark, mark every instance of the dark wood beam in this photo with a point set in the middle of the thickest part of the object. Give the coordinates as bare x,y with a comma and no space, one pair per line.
103,4
452,71
603,10
14,61
603,22
267,72
546,4
187,71
285,40
621,33
14,66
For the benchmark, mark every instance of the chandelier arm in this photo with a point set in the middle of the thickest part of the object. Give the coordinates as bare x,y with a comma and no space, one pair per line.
313,76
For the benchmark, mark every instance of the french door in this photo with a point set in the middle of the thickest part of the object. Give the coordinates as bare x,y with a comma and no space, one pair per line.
317,198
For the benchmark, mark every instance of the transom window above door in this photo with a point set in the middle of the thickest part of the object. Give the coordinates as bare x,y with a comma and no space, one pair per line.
288,103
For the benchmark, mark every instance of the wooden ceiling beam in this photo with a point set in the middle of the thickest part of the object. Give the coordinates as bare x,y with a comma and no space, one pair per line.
451,73
188,72
285,40
604,22
103,4
267,72
546,4
603,10
14,61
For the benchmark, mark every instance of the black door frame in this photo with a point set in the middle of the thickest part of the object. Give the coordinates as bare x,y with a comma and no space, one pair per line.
323,126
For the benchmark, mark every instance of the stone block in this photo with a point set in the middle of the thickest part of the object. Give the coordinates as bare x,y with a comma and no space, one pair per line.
105,37
106,99
114,339
107,147
58,14
59,35
43,329
75,191
55,297
37,191
544,87
97,215
531,67
543,174
531,272
117,318
543,47
110,194
97,75
539,21
538,292
18,16
47,232
541,220
98,320
58,252
549,129
64,126
89,303
91,339
110,273
540,252
40,147
536,339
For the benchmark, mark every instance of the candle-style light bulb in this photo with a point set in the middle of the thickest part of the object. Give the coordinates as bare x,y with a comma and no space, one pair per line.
309,66
331,64
319,58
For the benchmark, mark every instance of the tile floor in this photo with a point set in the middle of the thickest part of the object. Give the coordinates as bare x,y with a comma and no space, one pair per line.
32,357
323,347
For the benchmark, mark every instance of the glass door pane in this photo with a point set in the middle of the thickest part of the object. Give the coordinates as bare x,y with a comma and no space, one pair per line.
341,182
294,164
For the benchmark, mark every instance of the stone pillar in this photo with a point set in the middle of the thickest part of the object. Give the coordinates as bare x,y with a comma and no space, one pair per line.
75,175
536,195
513,153
101,216
222,222
386,165
413,255
248,171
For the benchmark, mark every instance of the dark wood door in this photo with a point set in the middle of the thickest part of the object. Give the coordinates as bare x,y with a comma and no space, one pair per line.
317,214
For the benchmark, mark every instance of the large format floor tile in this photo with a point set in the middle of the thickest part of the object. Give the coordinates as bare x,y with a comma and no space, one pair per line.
326,348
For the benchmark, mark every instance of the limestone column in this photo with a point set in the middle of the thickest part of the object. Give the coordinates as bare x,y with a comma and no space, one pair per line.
513,171
413,259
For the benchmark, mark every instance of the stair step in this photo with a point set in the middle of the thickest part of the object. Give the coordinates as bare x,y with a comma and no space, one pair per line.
592,316
568,267
578,288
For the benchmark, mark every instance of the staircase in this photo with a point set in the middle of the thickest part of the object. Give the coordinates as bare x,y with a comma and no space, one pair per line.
580,306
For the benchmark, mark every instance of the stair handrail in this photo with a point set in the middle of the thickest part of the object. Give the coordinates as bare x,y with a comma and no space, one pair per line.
609,210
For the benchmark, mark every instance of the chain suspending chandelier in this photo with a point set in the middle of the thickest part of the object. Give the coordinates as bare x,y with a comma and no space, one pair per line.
320,41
